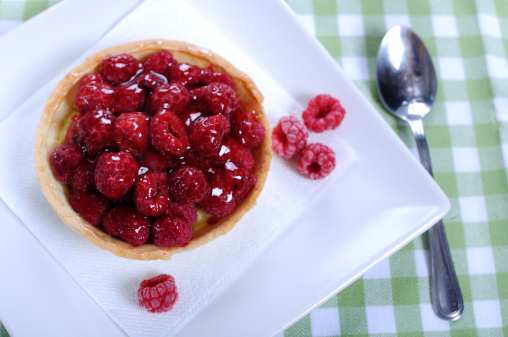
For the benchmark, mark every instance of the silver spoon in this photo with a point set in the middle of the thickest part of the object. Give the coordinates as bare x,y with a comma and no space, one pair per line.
407,84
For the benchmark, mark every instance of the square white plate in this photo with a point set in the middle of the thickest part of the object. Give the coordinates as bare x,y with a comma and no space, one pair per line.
381,204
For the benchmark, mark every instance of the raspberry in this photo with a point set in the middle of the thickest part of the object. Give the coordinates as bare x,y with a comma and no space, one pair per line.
231,150
206,134
116,173
208,76
171,231
94,77
316,161
129,98
158,294
128,224
191,158
150,80
173,97
131,133
188,185
217,98
220,202
185,74
83,177
169,135
95,131
323,113
159,62
72,132
245,129
119,68
64,159
289,137
243,187
151,194
188,212
155,161
95,95
91,205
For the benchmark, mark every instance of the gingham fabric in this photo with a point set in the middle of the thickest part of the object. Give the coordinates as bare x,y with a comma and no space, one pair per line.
467,132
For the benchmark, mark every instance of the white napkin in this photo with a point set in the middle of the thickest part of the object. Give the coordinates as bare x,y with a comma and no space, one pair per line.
202,273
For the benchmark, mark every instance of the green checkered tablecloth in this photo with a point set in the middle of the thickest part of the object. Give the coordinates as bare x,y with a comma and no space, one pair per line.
467,133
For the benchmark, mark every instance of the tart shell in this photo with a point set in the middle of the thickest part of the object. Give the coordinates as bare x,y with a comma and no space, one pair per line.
60,105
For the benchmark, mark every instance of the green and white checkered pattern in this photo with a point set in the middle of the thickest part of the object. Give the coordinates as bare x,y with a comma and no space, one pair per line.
467,132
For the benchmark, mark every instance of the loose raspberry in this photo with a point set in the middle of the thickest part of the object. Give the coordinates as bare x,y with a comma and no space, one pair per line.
316,161
155,161
171,231
119,68
289,137
173,97
188,212
169,135
243,187
64,159
246,130
72,132
185,74
217,98
116,173
131,133
83,177
151,194
323,113
159,62
129,98
95,95
231,150
94,77
220,202
91,205
206,134
188,185
150,80
128,224
158,294
95,131
208,76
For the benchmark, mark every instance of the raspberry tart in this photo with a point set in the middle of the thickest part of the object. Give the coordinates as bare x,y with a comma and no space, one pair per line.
153,147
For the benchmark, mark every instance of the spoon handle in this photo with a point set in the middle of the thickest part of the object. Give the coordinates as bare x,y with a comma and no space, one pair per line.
446,295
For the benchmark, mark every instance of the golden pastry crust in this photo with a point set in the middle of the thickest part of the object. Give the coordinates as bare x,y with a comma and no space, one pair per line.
60,104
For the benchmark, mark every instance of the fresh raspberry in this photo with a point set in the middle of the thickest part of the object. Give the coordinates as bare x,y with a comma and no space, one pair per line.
72,132
94,77
95,95
151,194
116,173
127,223
129,98
323,113
91,205
231,150
206,134
95,131
188,185
208,76
246,130
185,74
83,177
171,231
316,161
173,97
217,98
119,68
191,158
155,161
220,202
188,212
158,294
64,159
289,137
131,133
169,135
150,80
243,187
159,62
